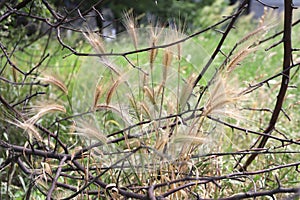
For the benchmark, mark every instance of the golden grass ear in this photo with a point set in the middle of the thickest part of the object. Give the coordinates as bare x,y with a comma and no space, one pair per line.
130,25
28,127
239,57
88,130
95,40
186,91
112,90
43,110
97,95
54,81
220,96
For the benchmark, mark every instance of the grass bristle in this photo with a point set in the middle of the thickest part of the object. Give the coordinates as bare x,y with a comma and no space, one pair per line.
43,110
29,128
167,60
97,95
237,59
220,96
54,81
96,41
130,25
88,130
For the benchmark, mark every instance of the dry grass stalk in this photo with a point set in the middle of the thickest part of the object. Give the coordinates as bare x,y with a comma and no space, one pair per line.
88,130
55,81
167,60
14,72
43,110
150,94
97,95
130,25
220,97
235,61
96,41
29,128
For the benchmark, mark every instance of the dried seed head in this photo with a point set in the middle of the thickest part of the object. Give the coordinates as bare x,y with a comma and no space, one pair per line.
29,128
167,60
96,41
220,97
186,91
257,32
111,91
43,110
130,25
55,81
89,130
239,58
149,93
98,92
152,56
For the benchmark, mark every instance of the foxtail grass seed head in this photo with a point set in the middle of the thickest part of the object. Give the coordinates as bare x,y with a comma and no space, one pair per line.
54,81
96,41
28,128
130,26
238,58
154,37
220,96
152,56
186,91
43,110
97,95
150,94
127,99
86,129
111,91
167,60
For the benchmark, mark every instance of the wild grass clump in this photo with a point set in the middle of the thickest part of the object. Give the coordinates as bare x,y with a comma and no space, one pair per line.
146,103
143,117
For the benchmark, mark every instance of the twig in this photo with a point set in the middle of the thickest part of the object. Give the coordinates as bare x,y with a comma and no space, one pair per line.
56,178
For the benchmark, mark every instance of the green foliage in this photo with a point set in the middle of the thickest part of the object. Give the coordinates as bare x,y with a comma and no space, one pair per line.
210,14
